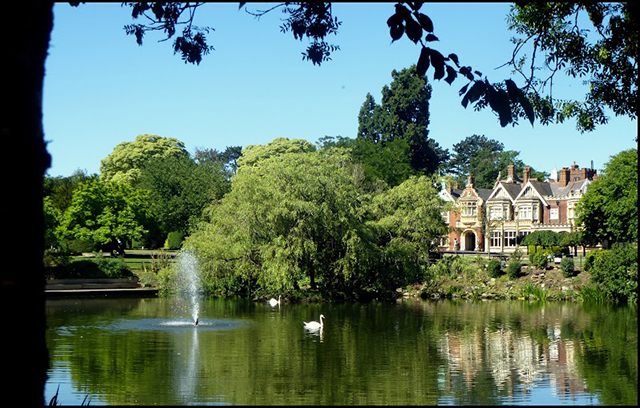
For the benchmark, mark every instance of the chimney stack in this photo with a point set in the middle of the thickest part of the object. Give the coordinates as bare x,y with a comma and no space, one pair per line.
563,177
526,174
511,176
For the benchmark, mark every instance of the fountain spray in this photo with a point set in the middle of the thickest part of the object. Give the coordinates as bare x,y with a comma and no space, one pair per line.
189,269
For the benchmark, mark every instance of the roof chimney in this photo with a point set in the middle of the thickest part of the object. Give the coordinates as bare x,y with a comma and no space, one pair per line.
470,180
511,176
526,174
563,177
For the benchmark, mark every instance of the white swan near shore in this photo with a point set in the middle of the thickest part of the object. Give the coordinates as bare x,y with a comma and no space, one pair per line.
274,302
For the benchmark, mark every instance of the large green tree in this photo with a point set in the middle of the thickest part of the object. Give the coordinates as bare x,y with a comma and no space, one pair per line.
403,114
124,164
180,189
609,209
389,163
229,157
60,189
253,154
106,213
408,222
291,219
486,159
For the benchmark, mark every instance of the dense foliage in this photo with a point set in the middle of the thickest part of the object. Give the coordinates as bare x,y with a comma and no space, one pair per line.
403,114
616,272
298,219
106,213
609,209
486,159
126,161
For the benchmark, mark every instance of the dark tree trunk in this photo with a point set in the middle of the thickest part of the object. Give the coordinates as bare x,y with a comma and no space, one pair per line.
25,36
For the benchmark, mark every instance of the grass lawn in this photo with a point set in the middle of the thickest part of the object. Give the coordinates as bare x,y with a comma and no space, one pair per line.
136,258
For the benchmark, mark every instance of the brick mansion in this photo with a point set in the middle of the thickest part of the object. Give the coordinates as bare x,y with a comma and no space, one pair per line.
495,219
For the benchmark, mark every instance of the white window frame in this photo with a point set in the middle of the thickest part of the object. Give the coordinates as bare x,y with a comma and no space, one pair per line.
554,213
510,239
469,209
496,238
524,212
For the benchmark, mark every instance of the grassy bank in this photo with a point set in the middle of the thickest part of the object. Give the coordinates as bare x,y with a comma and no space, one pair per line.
469,278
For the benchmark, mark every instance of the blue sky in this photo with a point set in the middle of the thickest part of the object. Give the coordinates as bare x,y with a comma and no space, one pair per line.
102,89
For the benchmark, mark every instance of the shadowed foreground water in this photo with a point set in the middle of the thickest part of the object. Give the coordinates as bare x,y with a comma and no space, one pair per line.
147,351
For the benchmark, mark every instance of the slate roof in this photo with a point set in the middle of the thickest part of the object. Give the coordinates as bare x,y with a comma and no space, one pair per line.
575,186
542,187
512,189
484,193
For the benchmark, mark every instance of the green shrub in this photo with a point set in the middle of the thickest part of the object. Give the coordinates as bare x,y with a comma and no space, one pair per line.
538,260
78,246
114,268
616,272
174,240
514,269
494,268
568,267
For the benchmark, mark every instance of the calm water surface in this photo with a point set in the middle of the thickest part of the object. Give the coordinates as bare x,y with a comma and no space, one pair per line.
147,351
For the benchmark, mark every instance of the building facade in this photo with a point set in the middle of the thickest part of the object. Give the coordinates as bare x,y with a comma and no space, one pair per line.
495,220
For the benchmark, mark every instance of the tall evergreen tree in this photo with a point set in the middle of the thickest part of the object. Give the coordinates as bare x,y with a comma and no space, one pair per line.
403,114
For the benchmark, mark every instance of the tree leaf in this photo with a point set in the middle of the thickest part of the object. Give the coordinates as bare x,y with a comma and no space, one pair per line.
423,62
454,58
463,90
513,90
394,20
466,71
437,60
451,74
431,37
425,22
396,32
414,31
526,106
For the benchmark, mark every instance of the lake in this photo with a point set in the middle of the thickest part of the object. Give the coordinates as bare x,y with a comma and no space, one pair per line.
123,351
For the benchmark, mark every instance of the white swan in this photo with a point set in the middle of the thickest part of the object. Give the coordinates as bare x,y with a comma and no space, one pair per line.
274,302
314,325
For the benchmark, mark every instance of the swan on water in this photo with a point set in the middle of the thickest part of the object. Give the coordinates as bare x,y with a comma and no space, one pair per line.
274,302
314,325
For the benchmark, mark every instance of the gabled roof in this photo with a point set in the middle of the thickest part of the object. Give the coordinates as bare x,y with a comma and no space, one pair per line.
452,195
511,189
540,188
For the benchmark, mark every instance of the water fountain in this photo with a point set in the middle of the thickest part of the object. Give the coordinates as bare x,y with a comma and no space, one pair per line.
188,270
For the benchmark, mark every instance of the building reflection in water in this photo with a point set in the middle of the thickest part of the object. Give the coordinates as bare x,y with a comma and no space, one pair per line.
517,362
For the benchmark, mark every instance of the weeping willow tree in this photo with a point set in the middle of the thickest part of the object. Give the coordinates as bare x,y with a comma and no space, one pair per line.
299,220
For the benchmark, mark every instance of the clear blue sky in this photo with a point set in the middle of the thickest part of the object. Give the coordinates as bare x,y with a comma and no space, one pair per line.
102,89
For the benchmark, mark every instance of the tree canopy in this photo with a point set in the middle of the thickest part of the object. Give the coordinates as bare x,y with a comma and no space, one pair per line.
180,189
609,209
552,29
124,164
106,213
403,114
486,159
302,219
